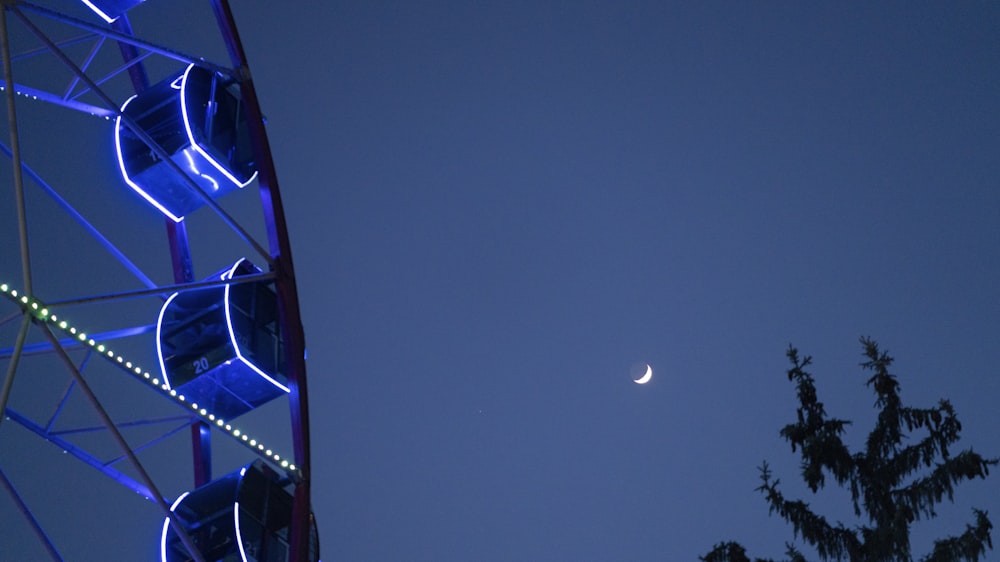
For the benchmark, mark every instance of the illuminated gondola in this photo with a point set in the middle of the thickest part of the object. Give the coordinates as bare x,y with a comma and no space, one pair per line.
195,117
241,517
220,346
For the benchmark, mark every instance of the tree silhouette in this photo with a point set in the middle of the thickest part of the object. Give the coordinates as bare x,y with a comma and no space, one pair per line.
891,485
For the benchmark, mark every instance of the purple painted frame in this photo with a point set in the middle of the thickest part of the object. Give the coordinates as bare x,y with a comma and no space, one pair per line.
281,252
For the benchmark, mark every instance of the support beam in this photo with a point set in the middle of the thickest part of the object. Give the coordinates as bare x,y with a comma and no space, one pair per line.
35,526
80,454
15,358
91,229
120,439
15,147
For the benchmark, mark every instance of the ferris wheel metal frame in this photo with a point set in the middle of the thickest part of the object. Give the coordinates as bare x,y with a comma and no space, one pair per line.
43,329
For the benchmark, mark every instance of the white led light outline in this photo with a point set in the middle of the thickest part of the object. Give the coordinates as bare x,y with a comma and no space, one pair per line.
190,161
99,12
166,525
121,166
232,334
194,143
159,346
194,168
239,535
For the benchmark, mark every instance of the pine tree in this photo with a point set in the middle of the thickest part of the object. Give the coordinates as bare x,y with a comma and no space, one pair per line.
892,485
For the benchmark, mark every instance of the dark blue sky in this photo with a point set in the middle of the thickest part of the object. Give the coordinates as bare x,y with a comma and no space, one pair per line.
498,210
523,200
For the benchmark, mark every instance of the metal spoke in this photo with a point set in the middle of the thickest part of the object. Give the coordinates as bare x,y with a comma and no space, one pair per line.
120,439
23,508
15,146
8,382
135,423
126,38
188,423
70,448
63,401
42,348
74,80
164,290
69,210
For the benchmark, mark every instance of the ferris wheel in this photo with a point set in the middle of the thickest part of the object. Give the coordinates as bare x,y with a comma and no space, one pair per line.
154,401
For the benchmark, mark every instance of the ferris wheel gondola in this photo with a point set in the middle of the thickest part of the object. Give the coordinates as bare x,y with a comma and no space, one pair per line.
212,352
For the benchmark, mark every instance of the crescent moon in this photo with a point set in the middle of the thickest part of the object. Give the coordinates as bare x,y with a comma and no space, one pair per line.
645,378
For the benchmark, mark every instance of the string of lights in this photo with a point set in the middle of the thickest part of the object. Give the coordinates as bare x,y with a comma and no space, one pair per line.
41,313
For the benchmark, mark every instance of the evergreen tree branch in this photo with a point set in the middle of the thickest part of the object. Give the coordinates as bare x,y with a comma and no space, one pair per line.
818,437
729,552
968,546
831,542
881,477
943,428
923,494
889,541
885,437
793,554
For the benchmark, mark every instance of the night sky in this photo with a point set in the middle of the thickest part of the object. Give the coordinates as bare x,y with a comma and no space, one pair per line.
499,211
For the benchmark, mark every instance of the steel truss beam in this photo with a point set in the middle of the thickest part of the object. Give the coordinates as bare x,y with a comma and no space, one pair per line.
69,97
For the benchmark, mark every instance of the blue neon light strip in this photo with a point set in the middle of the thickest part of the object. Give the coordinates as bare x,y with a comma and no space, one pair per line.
38,309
